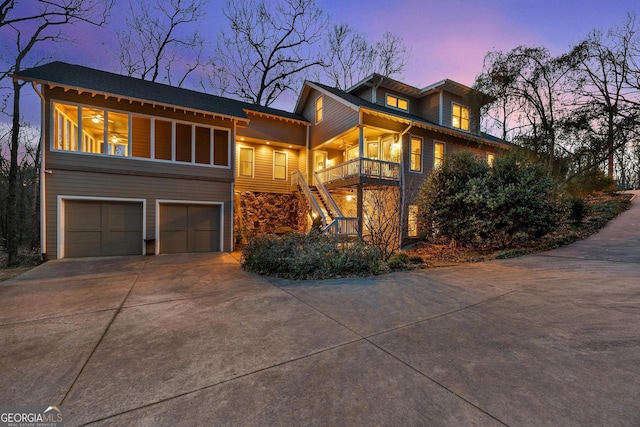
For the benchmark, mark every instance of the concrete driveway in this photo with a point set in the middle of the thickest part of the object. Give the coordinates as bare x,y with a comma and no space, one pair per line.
192,340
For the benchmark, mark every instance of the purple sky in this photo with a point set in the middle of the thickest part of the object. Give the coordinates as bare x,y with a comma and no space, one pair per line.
447,39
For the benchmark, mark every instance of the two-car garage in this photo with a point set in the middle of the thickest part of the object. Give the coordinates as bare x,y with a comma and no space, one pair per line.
107,227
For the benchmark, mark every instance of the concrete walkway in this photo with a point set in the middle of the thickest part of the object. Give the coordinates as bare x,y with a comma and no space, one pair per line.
192,340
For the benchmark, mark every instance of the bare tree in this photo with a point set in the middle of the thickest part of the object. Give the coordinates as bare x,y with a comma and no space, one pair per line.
382,223
602,92
391,55
350,57
22,31
265,51
535,81
157,44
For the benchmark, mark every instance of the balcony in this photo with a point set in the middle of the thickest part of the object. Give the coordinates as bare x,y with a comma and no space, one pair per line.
361,170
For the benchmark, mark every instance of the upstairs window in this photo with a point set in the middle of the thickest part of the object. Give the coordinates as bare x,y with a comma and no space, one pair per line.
93,130
460,117
279,165
416,155
438,154
399,103
319,109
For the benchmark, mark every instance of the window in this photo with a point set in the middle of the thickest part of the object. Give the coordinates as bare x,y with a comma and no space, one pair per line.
490,158
279,165
399,103
460,117
416,154
245,164
319,109
85,129
412,221
438,154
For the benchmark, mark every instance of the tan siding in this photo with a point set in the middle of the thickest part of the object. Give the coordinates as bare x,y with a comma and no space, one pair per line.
338,118
262,180
88,184
274,130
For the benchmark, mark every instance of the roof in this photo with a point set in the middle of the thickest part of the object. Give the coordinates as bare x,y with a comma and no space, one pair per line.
85,79
446,85
356,103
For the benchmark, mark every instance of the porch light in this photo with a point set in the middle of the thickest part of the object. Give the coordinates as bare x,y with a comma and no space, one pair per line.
349,198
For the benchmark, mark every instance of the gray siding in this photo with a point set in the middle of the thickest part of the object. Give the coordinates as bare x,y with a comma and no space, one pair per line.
429,107
338,118
97,185
274,130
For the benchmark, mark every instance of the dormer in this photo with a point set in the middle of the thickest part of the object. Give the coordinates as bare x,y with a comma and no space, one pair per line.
445,103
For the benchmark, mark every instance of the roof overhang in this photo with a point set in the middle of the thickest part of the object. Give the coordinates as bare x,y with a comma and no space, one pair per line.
106,95
276,117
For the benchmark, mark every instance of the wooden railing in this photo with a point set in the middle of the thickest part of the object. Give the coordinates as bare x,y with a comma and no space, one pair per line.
342,227
370,168
297,180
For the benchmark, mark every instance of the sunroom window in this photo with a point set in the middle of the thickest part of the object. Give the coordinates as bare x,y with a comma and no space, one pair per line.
87,129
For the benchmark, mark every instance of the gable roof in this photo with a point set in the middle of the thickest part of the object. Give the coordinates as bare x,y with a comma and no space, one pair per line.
357,103
447,85
85,79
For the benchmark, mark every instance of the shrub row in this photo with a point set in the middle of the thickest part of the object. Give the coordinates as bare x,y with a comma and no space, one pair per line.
309,256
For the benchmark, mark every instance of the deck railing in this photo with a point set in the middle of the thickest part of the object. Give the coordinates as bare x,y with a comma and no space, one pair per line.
371,168
297,180
342,227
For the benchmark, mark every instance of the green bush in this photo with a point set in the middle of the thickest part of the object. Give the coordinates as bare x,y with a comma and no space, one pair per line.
399,261
578,209
469,203
309,256
590,182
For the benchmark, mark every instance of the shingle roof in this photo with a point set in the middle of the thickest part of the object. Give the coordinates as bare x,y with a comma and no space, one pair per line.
357,101
90,79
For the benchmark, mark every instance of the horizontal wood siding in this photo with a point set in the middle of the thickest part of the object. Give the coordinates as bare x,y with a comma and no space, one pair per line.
274,130
90,184
338,118
365,93
262,180
383,123
429,107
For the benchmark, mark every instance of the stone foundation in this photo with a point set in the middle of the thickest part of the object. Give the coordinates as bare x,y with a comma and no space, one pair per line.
260,213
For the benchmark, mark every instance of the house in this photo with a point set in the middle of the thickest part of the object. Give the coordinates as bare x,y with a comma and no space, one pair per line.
136,167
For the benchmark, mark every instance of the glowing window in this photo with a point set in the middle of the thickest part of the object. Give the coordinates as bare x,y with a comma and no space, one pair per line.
399,103
490,158
245,163
438,154
416,154
279,165
319,109
412,221
460,117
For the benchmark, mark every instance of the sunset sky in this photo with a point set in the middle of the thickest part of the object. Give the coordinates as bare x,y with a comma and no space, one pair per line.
447,39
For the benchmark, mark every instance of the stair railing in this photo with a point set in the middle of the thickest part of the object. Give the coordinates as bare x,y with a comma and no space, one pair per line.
297,180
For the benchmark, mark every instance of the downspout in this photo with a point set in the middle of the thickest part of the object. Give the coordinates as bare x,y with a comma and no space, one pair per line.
374,93
43,217
441,107
402,184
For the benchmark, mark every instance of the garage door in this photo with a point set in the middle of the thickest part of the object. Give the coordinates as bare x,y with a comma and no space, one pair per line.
102,228
189,228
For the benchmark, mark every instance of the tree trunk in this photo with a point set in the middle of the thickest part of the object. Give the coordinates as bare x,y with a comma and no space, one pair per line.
12,196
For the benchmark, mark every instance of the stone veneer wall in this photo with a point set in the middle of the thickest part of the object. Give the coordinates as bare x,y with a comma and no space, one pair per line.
259,213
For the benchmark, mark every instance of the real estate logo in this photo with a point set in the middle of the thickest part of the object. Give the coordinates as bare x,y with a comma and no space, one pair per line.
31,416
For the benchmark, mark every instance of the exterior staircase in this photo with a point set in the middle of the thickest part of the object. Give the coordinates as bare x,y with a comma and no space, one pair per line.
324,207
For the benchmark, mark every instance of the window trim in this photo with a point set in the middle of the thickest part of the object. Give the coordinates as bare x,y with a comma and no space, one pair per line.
411,154
130,115
398,99
460,128
444,152
286,165
321,109
253,161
